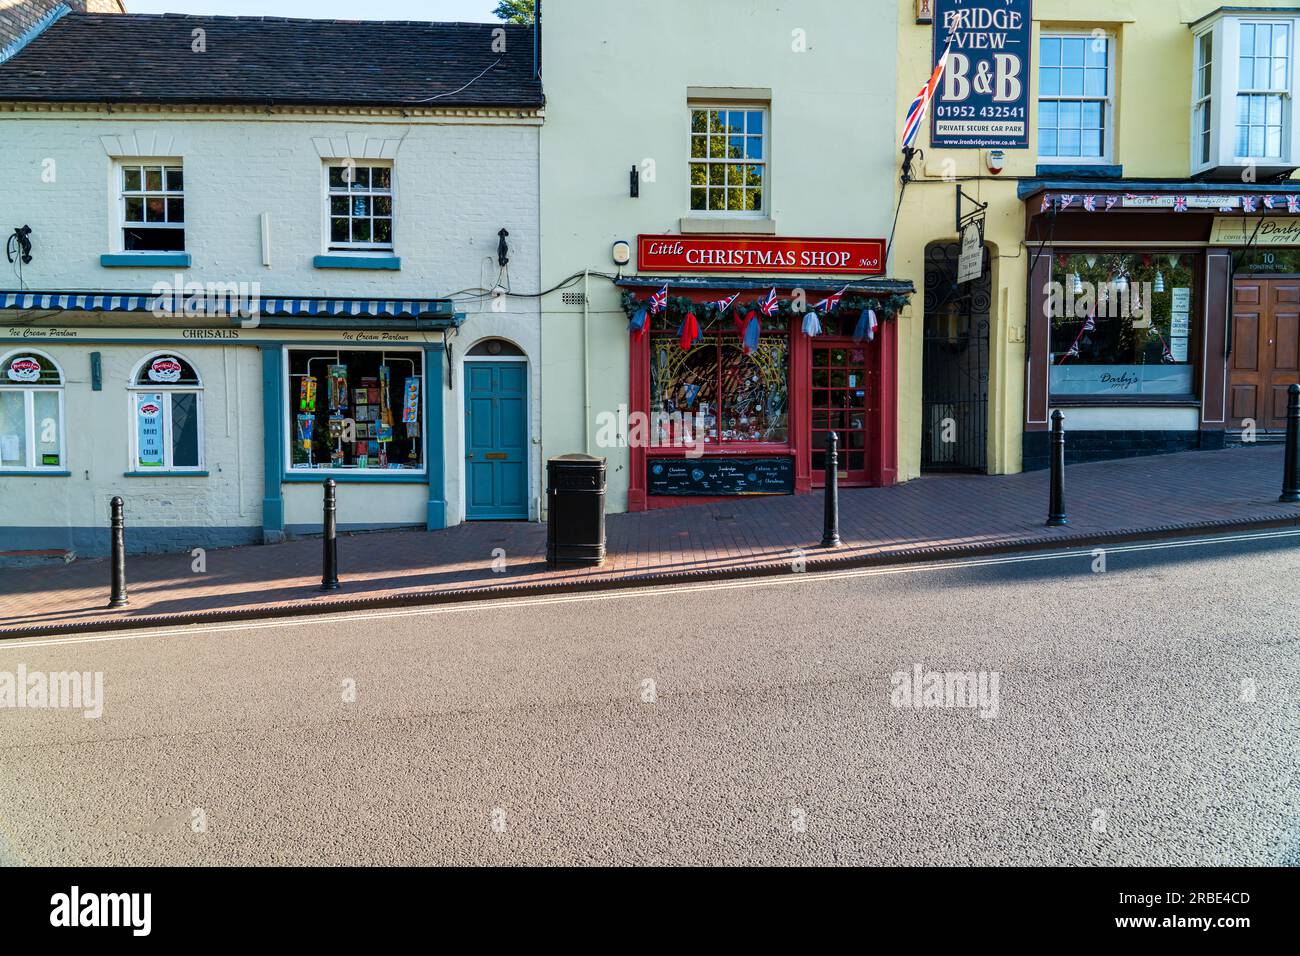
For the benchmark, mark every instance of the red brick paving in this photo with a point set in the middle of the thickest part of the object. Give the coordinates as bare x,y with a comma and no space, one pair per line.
1234,486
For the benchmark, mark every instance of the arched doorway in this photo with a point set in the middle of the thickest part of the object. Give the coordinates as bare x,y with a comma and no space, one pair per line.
955,364
496,432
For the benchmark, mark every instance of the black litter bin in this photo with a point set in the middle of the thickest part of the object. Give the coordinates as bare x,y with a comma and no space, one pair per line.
575,498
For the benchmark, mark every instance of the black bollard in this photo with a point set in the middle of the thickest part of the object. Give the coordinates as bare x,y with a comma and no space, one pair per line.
831,525
1056,509
117,545
329,580
1291,466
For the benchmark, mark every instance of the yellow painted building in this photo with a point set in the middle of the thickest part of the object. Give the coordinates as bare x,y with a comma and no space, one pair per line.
1136,200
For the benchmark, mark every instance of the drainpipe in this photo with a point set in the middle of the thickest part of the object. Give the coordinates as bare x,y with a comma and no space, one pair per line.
586,362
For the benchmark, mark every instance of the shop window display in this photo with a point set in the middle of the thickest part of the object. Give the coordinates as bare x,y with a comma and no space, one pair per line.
356,410
1123,324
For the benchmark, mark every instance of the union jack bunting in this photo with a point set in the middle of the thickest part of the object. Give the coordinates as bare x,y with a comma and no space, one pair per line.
829,303
921,105
769,305
1090,325
1066,200
1047,203
1270,202
1090,203
1180,204
1167,356
659,301
1293,203
1248,204
1110,202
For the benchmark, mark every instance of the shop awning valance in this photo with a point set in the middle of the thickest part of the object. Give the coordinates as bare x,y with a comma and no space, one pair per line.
207,305
866,287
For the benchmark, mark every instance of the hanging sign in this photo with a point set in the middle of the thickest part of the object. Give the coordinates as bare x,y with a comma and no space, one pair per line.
970,265
762,254
149,429
925,11
983,99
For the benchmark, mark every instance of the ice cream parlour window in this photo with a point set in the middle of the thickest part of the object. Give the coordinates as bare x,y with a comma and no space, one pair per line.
726,388
1123,324
356,410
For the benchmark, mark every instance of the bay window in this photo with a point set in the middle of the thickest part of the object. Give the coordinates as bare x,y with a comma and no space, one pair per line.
355,410
31,413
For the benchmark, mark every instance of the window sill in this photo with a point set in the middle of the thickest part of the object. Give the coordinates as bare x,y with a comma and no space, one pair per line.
698,225
33,473
357,262
1074,169
165,473
319,476
137,260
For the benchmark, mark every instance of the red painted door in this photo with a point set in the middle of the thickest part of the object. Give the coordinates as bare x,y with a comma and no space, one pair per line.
845,399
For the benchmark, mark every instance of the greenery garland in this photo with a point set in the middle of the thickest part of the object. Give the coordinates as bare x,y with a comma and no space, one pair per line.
886,307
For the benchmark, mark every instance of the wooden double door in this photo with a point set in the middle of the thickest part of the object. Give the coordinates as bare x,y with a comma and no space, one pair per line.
1265,356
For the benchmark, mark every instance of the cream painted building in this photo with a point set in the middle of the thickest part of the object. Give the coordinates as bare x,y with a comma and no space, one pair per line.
1145,169
735,147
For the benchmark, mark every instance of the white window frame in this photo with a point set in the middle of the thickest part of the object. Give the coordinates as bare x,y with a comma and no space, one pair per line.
133,390
371,248
1203,70
287,409
1283,92
122,194
29,414
1108,102
764,163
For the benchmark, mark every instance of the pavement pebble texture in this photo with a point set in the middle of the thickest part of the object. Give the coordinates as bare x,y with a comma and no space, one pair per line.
951,511
1146,714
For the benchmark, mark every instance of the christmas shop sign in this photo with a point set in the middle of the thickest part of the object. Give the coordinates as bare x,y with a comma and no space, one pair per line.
861,257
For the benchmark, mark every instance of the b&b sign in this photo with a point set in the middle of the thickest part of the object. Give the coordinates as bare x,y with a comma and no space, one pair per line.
983,100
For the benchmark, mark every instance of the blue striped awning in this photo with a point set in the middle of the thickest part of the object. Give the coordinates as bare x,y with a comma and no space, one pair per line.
226,305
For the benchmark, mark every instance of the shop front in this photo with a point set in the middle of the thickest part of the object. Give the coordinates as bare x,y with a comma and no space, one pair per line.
226,421
735,383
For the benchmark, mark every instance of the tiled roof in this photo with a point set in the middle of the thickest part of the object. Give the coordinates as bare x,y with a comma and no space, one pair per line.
135,58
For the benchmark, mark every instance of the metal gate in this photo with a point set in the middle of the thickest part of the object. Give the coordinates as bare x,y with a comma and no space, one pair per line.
955,364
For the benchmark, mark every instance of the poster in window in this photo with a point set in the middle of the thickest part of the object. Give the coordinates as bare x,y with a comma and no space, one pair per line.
149,429
983,99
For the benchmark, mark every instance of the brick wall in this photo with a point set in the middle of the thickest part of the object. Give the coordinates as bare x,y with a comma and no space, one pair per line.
19,16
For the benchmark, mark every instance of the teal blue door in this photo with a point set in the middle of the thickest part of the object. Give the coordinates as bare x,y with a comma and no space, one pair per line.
496,440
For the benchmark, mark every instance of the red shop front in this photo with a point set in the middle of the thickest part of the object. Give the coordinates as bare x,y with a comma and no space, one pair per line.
745,408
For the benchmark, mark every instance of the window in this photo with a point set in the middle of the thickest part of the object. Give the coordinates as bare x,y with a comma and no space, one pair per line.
359,204
355,410
31,413
728,160
1263,86
1074,98
166,415
1122,324
1203,129
153,207
716,391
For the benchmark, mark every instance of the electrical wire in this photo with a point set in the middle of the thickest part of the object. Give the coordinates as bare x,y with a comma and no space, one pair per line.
493,66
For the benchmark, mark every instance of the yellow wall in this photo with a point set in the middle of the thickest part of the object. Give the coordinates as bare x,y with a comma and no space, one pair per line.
1152,140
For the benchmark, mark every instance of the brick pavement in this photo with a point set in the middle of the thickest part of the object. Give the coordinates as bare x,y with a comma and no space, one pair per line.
939,515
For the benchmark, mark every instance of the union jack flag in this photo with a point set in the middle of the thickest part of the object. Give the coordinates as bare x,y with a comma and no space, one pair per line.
1248,204
1090,203
1270,202
1047,203
769,305
921,105
722,305
829,303
1180,204
1090,325
1110,202
1293,203
1066,200
659,301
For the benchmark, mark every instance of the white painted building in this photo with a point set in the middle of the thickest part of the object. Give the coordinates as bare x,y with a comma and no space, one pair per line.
348,211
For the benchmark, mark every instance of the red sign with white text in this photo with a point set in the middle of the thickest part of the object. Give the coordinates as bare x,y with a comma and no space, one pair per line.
761,254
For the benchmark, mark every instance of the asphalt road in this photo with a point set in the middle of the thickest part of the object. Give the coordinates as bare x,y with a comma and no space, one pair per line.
1147,714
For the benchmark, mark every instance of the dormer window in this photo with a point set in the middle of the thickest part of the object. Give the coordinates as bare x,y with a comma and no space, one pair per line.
1243,95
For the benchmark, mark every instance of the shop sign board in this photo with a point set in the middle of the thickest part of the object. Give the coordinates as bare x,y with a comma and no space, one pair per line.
721,476
760,254
983,100
149,428
1242,230
970,264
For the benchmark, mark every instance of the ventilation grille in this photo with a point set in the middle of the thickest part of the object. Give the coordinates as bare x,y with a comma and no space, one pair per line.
573,298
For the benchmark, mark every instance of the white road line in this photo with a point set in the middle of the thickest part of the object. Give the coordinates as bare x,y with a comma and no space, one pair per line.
654,591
